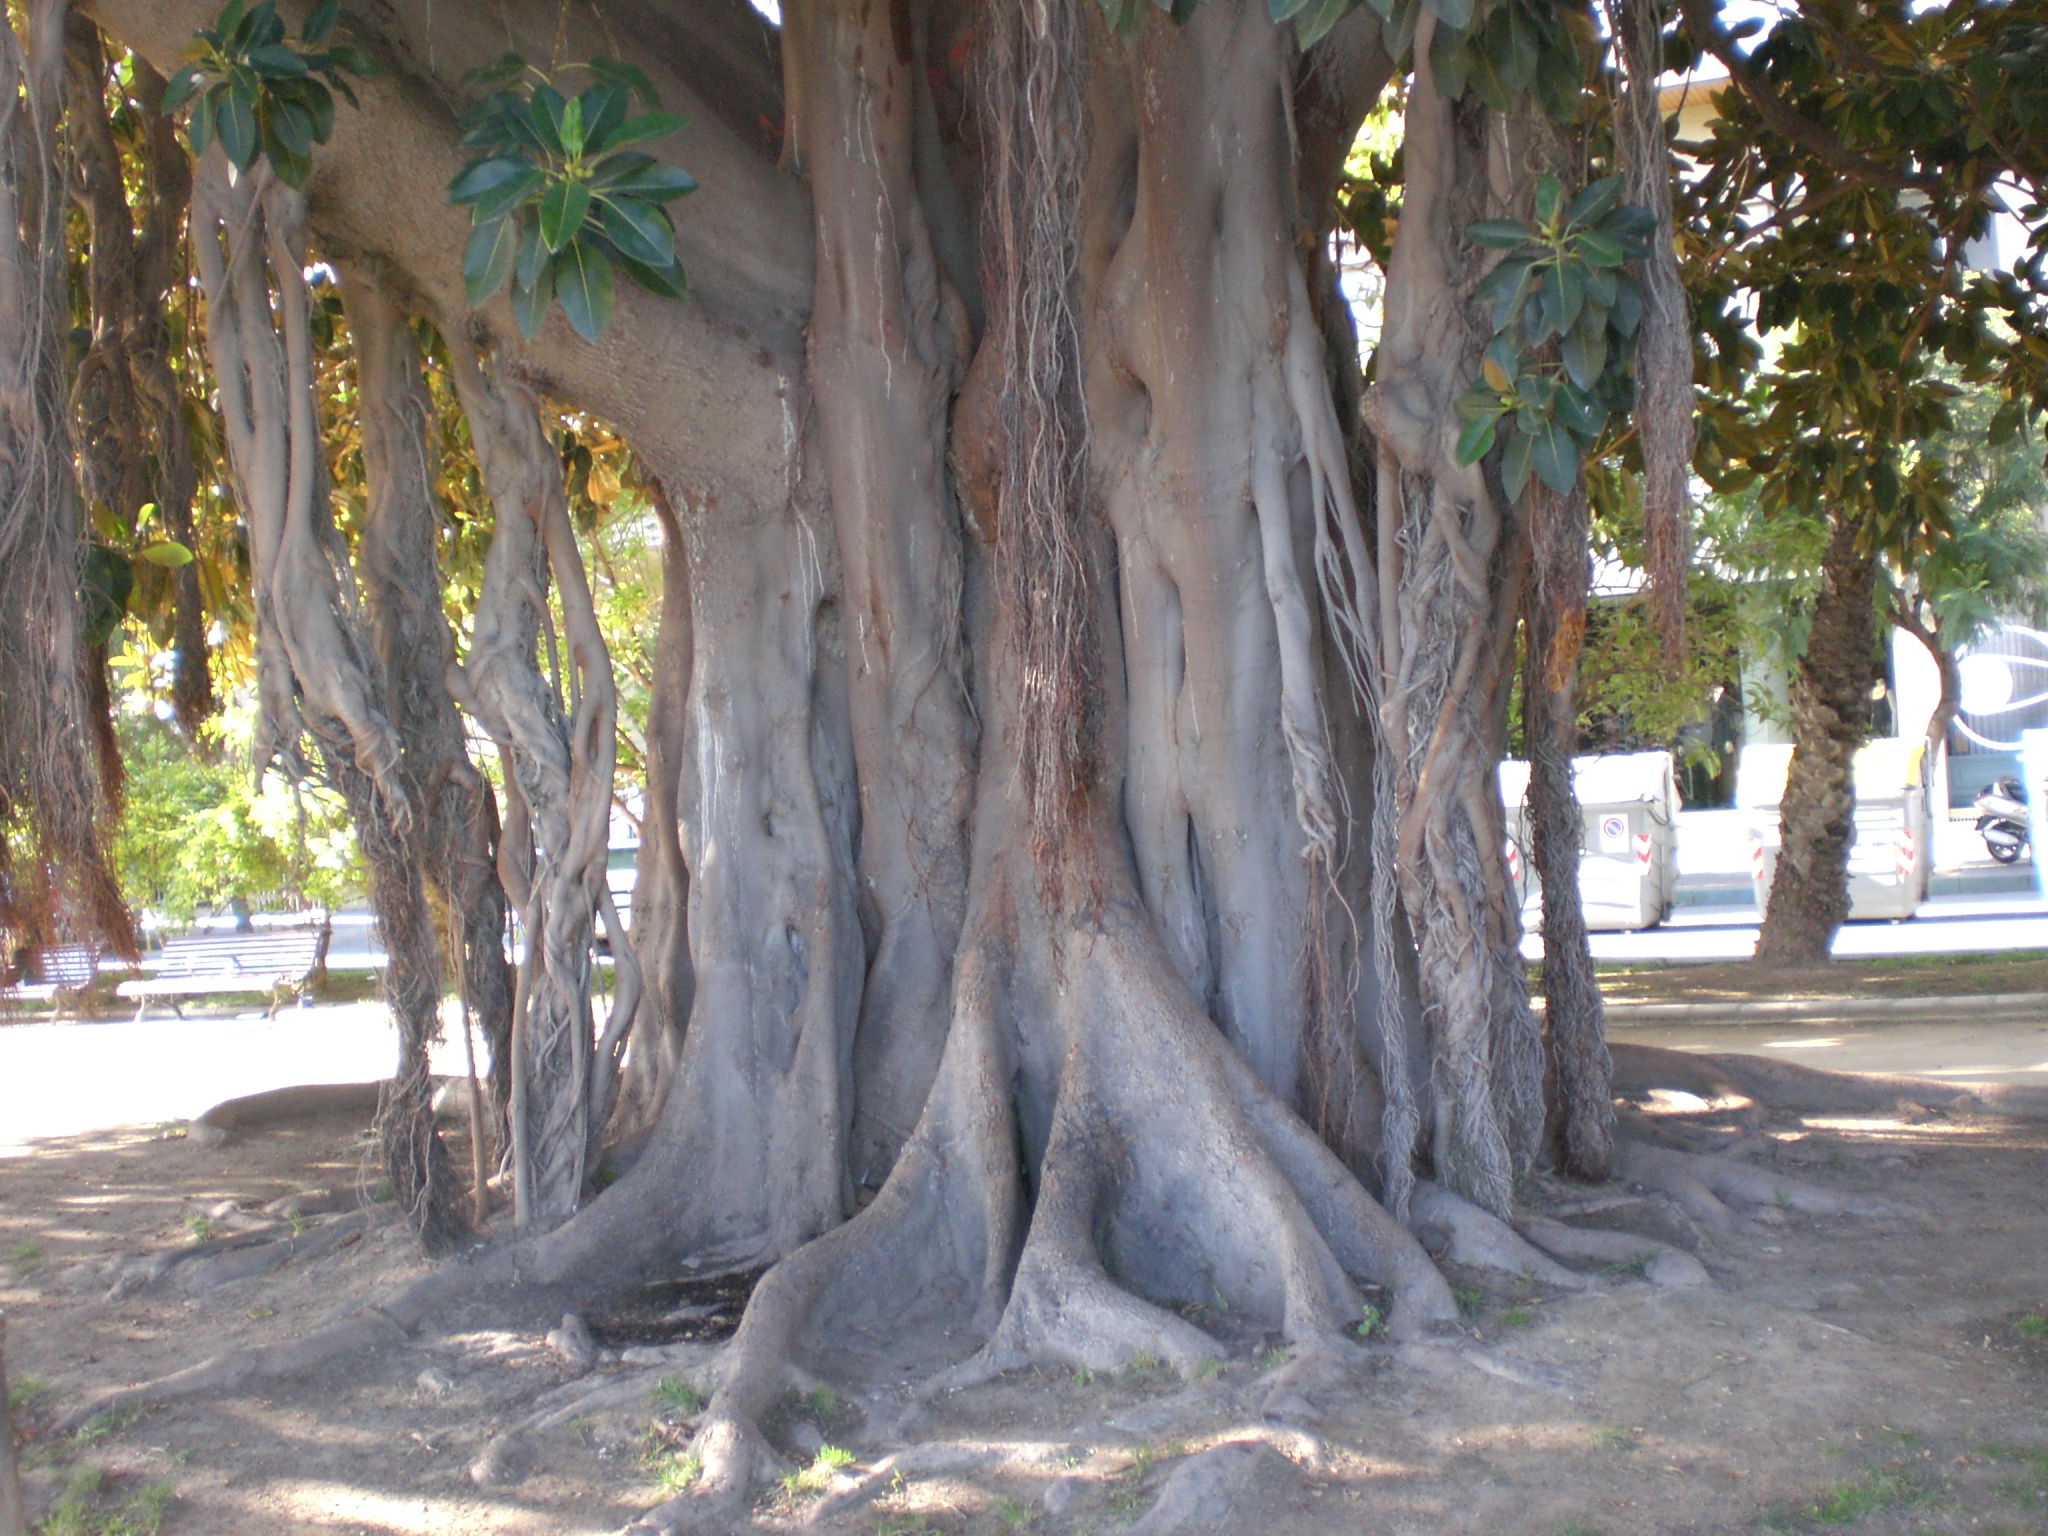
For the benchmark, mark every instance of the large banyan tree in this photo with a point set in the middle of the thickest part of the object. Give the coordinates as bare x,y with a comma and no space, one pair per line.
1072,924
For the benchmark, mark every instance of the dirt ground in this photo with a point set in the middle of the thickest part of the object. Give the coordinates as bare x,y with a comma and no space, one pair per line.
1876,1375
1894,976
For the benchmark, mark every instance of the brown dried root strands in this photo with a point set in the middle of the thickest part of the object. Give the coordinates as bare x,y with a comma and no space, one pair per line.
53,871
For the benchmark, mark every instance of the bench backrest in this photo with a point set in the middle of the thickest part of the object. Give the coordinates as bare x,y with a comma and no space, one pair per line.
276,952
62,965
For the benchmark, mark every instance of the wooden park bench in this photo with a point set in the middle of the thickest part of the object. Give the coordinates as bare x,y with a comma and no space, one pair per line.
51,972
279,961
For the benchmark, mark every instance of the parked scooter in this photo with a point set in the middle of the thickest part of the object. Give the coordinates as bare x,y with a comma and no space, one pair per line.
2003,821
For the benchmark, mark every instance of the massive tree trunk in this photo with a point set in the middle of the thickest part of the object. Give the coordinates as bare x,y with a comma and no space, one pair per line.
1830,717
1083,787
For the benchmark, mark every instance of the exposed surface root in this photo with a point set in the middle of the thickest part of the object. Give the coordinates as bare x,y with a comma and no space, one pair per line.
1791,1089
1658,1262
207,1266
1467,1235
503,1457
221,1123
1685,1174
1203,1490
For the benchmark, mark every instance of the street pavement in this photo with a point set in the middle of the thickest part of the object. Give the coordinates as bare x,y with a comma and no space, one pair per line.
1946,925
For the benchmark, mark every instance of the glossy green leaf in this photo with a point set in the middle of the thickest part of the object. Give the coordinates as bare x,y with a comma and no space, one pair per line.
544,111
530,301
321,21
1584,354
235,122
639,130
629,76
487,259
277,61
583,283
562,208
1555,458
1598,249
1549,199
639,229
1594,200
668,282
168,553
534,259
655,182
1314,23
604,109
199,131
1499,234
488,183
179,88
1514,464
1477,439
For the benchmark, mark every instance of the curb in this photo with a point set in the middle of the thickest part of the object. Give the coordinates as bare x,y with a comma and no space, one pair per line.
1999,1006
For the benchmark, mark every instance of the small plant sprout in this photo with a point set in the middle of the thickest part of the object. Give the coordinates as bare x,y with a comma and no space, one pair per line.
830,1461
1083,1377
1517,1317
25,1394
1609,1438
200,1226
674,1395
1371,1322
675,1472
2033,1325
824,1400
1469,1299
1014,1516
1206,1370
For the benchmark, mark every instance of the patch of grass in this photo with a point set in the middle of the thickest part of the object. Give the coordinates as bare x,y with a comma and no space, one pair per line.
1518,1317
1609,1438
1371,1322
1083,1377
810,1481
1854,1497
1148,1456
905,1525
1273,1358
673,1395
84,1509
112,1422
1014,1516
1206,1370
199,1226
26,1254
26,1394
1470,1299
2030,1488
2033,1324
1637,1265
823,1400
674,1471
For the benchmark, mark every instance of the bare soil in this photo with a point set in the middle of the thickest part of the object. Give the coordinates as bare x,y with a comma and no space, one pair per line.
1886,1375
1898,976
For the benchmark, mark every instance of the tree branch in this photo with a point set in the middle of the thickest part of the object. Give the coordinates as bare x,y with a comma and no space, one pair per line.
1703,21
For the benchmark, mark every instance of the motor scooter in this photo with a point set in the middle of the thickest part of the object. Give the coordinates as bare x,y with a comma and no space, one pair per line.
2003,820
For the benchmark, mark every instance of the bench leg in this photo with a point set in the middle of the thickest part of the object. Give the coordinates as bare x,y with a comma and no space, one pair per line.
140,1011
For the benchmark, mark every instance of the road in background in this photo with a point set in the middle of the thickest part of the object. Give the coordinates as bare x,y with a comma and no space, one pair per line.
1946,925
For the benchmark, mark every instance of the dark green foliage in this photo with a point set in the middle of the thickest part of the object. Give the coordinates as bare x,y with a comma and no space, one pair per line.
258,93
558,198
1563,312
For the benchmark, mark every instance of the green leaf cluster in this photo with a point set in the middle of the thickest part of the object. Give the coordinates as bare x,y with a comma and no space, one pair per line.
1564,310
560,201
255,92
